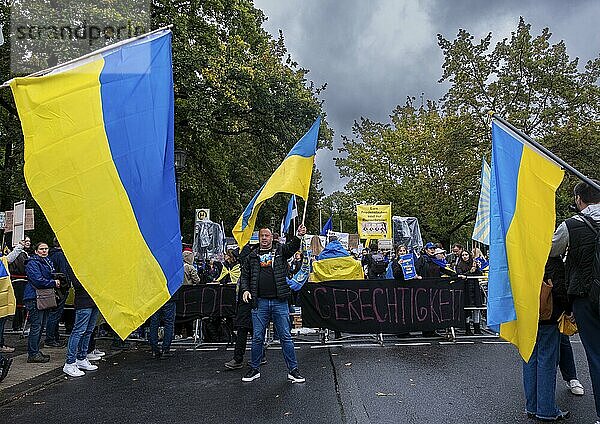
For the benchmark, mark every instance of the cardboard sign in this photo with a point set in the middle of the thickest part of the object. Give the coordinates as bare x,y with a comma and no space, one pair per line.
385,244
383,306
29,220
18,225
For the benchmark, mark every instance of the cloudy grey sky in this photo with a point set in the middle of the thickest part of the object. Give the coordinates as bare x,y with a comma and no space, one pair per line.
374,53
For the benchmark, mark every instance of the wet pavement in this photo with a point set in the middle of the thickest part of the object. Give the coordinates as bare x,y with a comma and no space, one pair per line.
475,380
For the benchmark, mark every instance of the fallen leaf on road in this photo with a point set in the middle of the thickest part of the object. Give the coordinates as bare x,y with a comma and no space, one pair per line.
385,394
348,364
39,403
276,396
287,413
134,379
334,354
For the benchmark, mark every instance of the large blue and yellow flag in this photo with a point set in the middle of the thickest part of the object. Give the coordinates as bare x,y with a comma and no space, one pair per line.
292,176
481,231
99,160
522,201
335,263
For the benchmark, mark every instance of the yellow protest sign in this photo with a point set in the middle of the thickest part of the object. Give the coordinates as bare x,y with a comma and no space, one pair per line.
374,221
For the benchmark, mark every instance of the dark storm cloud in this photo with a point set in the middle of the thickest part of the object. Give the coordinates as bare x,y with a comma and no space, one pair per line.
373,54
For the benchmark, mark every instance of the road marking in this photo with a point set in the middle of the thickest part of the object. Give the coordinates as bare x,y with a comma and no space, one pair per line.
211,349
452,343
365,345
326,346
413,344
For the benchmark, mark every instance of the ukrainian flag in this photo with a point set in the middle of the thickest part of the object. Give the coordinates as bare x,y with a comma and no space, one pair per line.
481,231
522,195
292,176
99,160
335,263
8,302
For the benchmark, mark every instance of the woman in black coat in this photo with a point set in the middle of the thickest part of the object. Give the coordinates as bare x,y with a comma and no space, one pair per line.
469,267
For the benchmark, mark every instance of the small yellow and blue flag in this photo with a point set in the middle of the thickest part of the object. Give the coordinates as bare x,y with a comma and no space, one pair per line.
292,176
99,160
523,186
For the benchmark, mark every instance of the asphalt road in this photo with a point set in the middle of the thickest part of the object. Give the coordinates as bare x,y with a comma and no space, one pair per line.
356,383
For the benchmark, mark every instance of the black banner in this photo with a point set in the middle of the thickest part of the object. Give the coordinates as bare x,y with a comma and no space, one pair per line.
205,300
383,306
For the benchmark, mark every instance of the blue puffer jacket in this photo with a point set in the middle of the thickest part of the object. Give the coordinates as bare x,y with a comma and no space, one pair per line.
39,275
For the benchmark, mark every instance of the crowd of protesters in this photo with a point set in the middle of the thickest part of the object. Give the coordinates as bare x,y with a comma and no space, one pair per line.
261,298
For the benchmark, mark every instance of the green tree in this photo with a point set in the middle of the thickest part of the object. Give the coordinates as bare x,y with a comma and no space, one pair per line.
424,163
342,207
524,78
241,102
534,84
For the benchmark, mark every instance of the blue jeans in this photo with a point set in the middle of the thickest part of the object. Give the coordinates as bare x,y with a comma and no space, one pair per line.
539,374
35,318
567,361
167,313
54,316
85,321
277,311
588,323
2,322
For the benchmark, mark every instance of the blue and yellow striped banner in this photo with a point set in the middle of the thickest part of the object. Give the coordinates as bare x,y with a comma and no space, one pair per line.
481,231
99,160
523,186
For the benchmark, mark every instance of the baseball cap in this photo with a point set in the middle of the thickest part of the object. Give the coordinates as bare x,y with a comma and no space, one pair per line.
430,245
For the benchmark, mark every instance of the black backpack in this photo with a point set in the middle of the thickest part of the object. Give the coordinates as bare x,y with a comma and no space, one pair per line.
378,265
594,293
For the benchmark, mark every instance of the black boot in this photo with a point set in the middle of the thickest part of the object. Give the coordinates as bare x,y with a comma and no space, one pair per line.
468,331
477,328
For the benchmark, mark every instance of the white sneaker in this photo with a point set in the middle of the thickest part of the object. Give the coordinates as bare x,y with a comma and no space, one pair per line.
98,352
93,357
72,370
84,364
575,387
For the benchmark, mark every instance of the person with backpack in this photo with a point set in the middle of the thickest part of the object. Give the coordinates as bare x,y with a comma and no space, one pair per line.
376,265
539,373
578,239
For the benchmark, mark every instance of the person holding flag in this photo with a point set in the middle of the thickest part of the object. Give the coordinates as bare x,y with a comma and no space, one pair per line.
263,282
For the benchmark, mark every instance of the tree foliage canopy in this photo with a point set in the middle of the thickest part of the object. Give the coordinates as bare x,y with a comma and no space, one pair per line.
241,103
426,161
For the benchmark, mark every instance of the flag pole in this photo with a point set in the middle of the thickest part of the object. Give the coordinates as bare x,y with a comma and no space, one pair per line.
304,213
94,53
295,207
546,152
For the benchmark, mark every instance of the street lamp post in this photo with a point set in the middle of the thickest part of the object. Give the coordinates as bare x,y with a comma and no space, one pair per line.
180,156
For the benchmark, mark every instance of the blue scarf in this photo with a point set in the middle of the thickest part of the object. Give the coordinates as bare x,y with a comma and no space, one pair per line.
440,262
